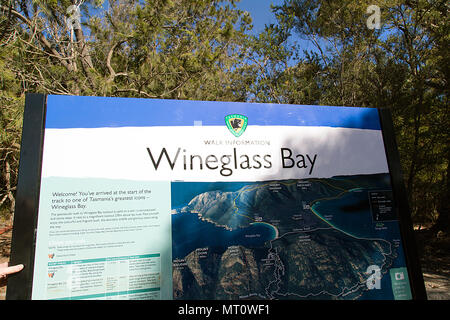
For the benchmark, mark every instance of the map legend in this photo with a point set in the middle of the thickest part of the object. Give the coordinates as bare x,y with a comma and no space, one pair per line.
382,206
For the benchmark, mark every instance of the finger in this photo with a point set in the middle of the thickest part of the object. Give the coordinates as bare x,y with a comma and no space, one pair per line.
12,269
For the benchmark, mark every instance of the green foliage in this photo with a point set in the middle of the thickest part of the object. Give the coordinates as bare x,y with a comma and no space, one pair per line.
168,49
11,126
202,49
179,49
403,67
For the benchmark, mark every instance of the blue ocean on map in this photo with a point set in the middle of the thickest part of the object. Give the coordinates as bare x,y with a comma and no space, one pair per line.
351,214
340,206
189,233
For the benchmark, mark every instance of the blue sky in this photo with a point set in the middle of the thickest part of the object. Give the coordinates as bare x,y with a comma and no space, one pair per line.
262,14
259,11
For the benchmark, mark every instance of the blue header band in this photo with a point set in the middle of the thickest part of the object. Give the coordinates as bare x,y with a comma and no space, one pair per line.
97,112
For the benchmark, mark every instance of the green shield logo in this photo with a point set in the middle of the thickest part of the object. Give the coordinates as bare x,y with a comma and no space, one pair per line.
236,123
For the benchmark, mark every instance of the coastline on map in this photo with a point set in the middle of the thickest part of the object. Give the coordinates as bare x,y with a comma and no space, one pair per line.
275,229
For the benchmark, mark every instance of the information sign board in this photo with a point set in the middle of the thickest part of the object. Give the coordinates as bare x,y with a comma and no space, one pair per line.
124,198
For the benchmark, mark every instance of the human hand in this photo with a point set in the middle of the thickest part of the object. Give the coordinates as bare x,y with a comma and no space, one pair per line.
5,270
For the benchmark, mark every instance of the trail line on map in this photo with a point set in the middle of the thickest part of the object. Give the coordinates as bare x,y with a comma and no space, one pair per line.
278,264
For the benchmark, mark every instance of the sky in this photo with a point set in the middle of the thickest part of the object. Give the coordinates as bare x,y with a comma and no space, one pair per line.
259,11
262,14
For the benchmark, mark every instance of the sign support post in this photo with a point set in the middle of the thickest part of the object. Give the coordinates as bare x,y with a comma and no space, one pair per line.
27,196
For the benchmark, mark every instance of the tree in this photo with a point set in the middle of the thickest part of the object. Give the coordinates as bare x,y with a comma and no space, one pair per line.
169,49
200,49
402,66
179,49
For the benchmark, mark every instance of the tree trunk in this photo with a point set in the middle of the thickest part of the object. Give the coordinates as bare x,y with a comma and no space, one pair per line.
83,49
9,193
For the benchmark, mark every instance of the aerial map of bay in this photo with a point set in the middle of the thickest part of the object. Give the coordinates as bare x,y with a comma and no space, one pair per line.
314,238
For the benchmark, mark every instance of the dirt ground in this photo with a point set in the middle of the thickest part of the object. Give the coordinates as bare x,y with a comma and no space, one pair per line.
434,253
